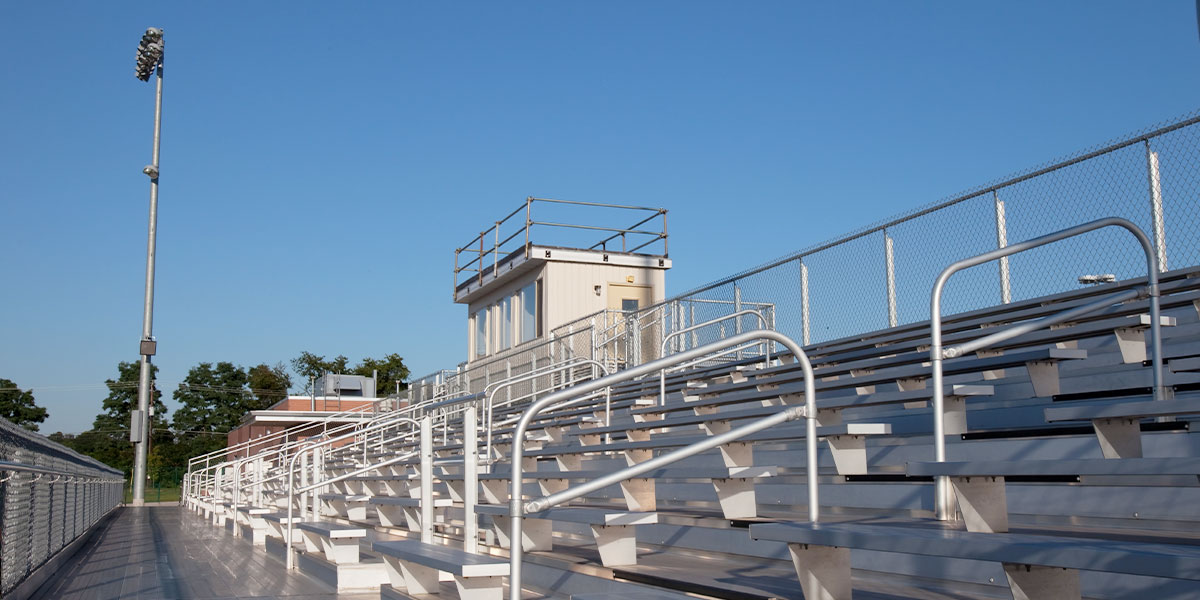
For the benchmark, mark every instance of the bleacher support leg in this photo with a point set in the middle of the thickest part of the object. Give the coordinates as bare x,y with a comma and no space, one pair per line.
1132,343
617,544
737,497
1119,438
982,502
1042,583
418,579
849,453
955,409
639,495
479,588
824,571
538,534
1044,376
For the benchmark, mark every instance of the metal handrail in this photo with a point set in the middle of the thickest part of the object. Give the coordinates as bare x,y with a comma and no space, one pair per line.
662,375
271,436
809,411
489,392
291,475
692,363
279,449
943,499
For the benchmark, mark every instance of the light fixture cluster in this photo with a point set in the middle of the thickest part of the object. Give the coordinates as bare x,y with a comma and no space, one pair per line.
149,53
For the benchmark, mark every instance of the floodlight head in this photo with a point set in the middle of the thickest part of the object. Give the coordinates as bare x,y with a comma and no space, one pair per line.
149,53
151,170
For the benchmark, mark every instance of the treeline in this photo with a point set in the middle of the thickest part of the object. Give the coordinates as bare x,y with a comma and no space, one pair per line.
211,400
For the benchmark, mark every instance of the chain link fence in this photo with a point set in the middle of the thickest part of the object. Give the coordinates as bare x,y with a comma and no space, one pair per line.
882,275
50,496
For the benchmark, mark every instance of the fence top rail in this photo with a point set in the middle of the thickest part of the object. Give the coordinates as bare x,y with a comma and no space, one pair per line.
27,468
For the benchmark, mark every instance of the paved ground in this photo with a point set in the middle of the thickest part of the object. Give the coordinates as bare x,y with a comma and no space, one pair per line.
166,553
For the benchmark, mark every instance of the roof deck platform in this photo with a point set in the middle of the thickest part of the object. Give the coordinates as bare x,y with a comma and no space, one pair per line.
167,553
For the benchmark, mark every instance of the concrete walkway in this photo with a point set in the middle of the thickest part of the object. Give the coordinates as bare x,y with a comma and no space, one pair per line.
166,553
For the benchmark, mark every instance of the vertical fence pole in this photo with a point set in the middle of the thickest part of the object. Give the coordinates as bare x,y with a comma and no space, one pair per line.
692,321
890,265
737,306
1156,208
804,321
1002,242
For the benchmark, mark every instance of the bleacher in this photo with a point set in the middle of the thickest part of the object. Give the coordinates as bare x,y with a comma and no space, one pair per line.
1069,478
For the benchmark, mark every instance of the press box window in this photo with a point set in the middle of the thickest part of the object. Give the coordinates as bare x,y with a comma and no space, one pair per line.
481,329
506,323
531,311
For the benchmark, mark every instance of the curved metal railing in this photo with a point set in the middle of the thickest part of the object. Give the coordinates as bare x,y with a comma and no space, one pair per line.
517,507
944,499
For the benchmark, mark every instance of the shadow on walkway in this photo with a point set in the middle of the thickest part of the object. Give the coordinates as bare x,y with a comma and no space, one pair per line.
167,553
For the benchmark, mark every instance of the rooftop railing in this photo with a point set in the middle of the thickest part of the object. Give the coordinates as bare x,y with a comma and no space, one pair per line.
485,251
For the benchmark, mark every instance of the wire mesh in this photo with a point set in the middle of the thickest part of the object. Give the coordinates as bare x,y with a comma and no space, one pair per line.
50,495
882,275
1149,178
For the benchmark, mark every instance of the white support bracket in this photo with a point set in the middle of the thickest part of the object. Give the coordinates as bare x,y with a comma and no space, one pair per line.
639,495
982,502
955,409
824,571
1132,343
737,454
737,497
1119,438
1027,582
849,453
617,544
1044,376
537,535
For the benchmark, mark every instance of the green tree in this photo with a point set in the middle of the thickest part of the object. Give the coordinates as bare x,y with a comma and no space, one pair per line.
18,406
123,398
268,384
388,370
212,399
309,366
108,439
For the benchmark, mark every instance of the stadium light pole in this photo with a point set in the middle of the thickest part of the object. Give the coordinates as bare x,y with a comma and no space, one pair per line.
149,59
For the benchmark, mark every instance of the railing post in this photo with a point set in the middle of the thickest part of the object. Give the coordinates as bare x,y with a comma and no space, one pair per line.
303,499
890,265
1157,218
528,221
804,319
470,479
1002,242
427,480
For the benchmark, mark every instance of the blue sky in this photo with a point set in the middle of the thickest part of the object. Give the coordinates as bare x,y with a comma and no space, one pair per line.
320,161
